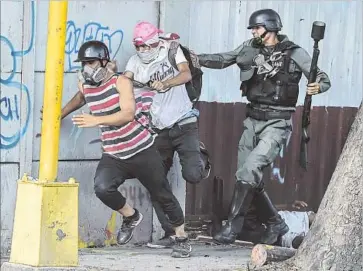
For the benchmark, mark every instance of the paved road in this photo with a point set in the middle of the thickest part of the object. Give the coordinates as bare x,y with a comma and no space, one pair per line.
204,257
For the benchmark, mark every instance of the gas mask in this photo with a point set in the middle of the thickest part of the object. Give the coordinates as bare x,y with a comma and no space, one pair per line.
94,76
149,55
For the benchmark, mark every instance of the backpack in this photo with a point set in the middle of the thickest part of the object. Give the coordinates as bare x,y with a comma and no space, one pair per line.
194,86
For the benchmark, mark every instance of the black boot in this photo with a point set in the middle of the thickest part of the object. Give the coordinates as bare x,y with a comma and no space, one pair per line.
253,227
251,219
275,225
242,197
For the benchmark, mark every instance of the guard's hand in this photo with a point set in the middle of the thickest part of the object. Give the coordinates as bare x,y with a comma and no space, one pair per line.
158,85
85,120
313,88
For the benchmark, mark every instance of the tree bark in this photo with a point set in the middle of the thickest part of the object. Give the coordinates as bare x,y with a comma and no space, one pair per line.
334,241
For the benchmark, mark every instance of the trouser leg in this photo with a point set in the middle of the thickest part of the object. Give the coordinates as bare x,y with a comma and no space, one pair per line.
165,148
150,171
270,137
194,158
110,174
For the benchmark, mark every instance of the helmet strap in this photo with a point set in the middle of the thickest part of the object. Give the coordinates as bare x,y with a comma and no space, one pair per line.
264,34
257,42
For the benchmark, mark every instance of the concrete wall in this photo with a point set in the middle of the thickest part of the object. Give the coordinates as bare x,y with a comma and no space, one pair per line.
204,26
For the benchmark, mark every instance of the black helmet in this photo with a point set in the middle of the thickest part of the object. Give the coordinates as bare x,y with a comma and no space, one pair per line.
93,50
267,18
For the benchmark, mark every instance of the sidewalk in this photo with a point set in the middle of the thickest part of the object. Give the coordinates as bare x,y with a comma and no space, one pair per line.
141,258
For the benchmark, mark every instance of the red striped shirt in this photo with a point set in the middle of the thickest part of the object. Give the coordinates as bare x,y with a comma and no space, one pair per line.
126,140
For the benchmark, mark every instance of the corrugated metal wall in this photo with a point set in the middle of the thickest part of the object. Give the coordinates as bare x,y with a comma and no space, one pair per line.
219,26
206,27
220,130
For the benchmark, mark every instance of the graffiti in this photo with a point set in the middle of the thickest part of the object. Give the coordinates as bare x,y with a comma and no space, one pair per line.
76,36
134,193
8,107
276,170
12,90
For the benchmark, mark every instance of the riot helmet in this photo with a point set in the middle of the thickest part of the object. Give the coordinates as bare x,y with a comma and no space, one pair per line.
268,18
93,50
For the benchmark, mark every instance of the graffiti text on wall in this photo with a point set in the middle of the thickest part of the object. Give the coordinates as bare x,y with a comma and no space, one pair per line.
76,36
136,194
12,90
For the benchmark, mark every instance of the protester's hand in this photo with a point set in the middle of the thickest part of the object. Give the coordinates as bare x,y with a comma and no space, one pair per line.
298,204
313,88
159,86
85,120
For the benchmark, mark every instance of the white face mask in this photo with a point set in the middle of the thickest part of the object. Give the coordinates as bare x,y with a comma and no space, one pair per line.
150,55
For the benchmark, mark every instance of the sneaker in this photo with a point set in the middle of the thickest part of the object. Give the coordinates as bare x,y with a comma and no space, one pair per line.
127,228
208,165
165,242
182,248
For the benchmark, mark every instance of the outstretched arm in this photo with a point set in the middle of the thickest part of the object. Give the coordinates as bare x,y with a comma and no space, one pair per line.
219,60
75,103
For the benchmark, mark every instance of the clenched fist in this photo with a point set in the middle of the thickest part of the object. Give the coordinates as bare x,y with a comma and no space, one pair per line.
313,88
159,86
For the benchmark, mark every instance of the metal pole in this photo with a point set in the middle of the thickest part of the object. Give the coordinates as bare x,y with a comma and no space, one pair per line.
53,87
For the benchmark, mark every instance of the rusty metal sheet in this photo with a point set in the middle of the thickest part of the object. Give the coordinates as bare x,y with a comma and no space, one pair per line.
220,128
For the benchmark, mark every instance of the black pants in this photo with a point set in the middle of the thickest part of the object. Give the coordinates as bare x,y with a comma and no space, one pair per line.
148,168
183,139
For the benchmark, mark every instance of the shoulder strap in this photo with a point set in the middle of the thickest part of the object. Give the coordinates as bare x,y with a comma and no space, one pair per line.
172,53
287,61
287,45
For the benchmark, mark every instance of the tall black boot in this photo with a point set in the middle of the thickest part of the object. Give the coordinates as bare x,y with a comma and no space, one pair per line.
242,197
252,219
253,228
275,225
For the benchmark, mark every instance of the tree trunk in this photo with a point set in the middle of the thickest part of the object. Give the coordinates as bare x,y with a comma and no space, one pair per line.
334,241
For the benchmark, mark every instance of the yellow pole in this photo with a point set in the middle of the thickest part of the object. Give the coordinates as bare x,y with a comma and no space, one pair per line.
53,86
45,231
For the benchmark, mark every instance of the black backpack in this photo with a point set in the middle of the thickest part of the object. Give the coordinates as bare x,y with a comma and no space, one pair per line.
194,86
